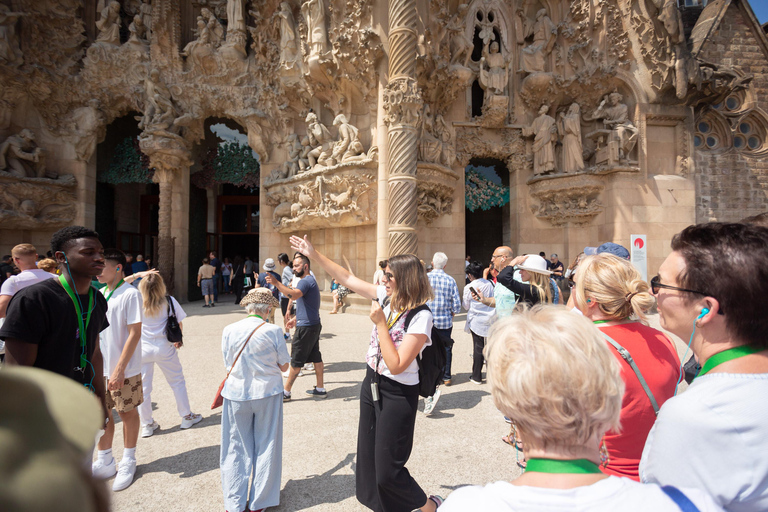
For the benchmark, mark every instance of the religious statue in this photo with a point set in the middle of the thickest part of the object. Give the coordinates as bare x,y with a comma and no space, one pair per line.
615,116
534,56
319,140
235,16
461,46
569,127
429,145
200,50
146,17
494,79
90,126
544,130
317,35
290,54
109,24
215,28
348,146
138,31
444,134
157,98
22,157
10,53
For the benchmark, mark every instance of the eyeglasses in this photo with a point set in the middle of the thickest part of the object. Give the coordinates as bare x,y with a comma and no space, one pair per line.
497,256
656,285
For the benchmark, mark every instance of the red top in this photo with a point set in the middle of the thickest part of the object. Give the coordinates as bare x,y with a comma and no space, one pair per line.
657,359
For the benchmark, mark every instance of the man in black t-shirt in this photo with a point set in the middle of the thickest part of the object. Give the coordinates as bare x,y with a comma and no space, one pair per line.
216,264
42,328
6,269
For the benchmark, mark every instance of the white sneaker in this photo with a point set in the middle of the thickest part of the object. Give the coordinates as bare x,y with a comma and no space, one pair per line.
148,430
191,419
103,471
309,367
125,474
431,402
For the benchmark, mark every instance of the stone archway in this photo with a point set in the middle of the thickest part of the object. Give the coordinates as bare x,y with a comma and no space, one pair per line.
487,226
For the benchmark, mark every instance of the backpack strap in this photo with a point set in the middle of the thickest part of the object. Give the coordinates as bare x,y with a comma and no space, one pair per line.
171,309
682,501
624,353
412,313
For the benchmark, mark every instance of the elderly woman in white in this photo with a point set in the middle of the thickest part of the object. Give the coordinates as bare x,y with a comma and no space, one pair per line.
252,417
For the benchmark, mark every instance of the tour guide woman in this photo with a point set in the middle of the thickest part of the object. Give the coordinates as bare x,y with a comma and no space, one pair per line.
385,430
552,373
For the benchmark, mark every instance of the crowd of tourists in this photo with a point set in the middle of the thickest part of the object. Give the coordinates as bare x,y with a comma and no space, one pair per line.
590,391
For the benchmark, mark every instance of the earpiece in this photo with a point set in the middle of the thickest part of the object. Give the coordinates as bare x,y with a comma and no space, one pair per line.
703,313
589,301
118,268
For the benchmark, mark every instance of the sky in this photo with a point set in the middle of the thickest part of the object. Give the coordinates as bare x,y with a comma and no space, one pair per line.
761,9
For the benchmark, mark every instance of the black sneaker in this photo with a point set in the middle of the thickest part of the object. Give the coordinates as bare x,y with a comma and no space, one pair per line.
206,306
316,393
212,304
286,398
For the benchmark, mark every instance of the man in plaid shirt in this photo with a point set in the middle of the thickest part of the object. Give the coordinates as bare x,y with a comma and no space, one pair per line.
446,304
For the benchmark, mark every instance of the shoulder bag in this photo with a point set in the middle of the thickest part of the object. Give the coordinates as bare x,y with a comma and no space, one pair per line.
624,353
218,400
172,327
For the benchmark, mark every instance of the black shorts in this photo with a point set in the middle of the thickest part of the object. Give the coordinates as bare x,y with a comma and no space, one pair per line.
284,305
306,345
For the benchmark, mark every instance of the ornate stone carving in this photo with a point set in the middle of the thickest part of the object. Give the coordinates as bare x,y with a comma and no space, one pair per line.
569,127
37,203
544,132
435,200
615,118
402,103
567,199
317,34
20,156
88,128
138,31
533,58
200,51
323,199
109,24
10,53
290,52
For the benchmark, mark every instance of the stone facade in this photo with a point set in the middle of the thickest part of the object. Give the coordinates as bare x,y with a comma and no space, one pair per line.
365,114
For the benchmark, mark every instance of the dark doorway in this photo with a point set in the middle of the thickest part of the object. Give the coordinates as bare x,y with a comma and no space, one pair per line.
487,229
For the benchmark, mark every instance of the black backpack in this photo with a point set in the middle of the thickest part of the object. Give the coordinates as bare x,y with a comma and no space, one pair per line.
431,361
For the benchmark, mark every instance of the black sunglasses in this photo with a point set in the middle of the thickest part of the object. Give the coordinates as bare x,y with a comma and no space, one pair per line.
656,285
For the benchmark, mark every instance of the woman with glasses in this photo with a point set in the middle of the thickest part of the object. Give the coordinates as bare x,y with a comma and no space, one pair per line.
711,293
551,372
389,395
612,294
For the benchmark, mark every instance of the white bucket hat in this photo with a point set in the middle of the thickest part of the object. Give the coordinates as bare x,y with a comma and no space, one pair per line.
535,263
269,264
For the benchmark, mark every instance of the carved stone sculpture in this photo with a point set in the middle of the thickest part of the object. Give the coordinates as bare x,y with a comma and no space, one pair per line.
138,31
215,29
146,16
534,56
495,78
200,51
20,156
615,117
434,200
570,131
317,35
236,34
544,130
109,24
460,45
348,147
320,142
89,127
38,203
10,53
290,53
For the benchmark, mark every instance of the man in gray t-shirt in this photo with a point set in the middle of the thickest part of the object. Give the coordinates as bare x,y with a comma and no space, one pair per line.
306,340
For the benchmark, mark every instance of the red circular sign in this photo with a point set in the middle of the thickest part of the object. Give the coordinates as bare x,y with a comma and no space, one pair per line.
639,243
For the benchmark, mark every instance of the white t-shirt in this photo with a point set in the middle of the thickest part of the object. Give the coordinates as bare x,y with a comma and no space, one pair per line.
154,327
609,495
421,323
714,437
26,278
124,308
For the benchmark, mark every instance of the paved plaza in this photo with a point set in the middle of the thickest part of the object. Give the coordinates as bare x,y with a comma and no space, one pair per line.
459,444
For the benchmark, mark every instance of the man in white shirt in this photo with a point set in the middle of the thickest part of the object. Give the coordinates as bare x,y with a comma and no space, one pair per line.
122,369
25,257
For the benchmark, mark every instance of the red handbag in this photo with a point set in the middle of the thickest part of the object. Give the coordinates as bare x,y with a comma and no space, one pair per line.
218,400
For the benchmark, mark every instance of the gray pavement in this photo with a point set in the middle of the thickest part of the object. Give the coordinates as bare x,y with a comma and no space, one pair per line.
459,444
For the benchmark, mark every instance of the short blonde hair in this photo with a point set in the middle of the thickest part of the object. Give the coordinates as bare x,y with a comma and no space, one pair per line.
615,284
49,265
22,250
552,373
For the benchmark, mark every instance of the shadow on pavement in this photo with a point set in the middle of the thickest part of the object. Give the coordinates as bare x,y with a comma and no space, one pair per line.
186,465
318,489
207,421
459,400
327,335
344,366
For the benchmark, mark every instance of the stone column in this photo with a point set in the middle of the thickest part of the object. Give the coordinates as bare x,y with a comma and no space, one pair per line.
382,206
171,158
402,104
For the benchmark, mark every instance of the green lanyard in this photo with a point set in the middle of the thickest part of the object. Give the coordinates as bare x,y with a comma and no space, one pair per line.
600,321
728,355
257,316
115,288
81,328
580,466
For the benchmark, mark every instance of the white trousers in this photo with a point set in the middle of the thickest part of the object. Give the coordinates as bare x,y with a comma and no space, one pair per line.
252,449
162,352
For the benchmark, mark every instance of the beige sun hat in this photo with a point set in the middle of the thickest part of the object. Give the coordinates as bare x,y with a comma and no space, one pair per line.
260,296
535,263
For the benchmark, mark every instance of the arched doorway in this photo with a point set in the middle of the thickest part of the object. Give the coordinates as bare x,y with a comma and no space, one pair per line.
487,223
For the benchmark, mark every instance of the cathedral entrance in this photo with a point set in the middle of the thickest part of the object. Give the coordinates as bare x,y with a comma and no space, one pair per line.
487,201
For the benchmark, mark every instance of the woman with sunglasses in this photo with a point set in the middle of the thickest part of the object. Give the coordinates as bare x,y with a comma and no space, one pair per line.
389,395
612,294
711,293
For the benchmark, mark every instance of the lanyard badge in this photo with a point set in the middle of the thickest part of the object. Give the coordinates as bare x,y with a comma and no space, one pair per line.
82,326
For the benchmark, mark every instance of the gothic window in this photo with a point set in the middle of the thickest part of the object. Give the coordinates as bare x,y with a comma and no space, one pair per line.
750,134
711,133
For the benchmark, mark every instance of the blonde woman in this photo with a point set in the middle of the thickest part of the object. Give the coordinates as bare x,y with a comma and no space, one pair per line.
155,348
536,288
550,371
49,265
612,294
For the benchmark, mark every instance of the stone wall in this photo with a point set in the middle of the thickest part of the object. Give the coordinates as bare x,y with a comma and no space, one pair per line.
732,184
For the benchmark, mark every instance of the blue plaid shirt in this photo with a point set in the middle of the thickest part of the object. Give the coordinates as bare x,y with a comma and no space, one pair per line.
446,301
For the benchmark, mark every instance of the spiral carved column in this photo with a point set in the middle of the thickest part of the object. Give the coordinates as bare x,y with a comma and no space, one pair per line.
402,104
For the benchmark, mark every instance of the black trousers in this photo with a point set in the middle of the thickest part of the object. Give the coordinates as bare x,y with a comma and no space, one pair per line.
237,283
478,343
384,443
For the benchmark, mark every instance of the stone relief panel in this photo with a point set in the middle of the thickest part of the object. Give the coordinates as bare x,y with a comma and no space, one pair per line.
37,203
435,189
569,200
